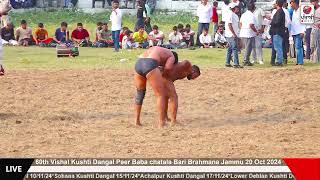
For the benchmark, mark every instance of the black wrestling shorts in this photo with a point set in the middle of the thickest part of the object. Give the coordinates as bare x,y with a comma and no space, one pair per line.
145,65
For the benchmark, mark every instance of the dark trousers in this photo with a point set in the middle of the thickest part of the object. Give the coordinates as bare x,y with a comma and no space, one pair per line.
308,36
201,27
285,45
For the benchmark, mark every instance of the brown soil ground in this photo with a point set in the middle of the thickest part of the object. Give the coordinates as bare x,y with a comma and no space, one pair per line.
225,113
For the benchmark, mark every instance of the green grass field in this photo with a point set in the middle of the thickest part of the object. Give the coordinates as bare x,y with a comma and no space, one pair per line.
16,58
45,58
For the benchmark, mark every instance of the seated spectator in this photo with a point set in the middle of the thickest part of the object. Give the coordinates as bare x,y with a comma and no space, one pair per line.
7,35
123,33
80,36
147,25
104,37
188,36
41,36
127,41
141,38
99,27
156,37
180,28
24,34
176,39
62,34
220,39
205,39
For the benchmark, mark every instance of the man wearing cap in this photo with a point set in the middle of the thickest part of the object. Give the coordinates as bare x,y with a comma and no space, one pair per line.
231,34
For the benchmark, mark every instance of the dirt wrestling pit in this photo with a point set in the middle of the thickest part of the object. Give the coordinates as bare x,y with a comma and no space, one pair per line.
224,113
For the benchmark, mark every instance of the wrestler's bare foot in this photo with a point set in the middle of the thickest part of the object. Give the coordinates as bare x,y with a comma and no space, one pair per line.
175,122
138,123
162,124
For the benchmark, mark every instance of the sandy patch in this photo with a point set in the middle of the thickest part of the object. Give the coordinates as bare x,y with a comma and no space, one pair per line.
225,113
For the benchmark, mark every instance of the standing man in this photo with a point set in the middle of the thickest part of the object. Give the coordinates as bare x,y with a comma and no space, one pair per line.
215,17
116,20
225,11
5,7
231,34
248,32
315,34
297,31
285,43
150,7
204,12
257,53
277,31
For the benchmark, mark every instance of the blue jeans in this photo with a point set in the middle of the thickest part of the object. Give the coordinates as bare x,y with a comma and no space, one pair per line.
116,39
277,46
299,48
232,49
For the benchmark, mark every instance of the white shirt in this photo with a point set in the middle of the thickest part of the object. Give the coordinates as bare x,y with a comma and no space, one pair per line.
273,12
225,11
259,15
205,39
158,36
204,12
220,38
288,19
234,20
296,26
116,20
175,39
187,35
234,3
246,20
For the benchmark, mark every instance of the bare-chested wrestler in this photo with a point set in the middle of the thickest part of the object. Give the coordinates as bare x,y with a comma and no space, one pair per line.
147,70
179,71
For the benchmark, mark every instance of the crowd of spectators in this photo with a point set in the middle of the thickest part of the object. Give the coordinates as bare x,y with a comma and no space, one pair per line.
243,28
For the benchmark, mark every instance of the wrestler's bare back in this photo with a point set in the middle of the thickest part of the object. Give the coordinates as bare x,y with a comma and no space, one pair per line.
161,55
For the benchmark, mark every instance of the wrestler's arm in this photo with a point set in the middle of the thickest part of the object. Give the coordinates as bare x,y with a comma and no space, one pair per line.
168,66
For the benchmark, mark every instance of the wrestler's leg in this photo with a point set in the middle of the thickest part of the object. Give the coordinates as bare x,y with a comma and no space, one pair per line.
140,83
173,101
155,79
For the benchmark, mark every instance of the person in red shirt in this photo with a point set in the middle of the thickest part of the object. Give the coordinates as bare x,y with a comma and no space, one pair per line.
123,33
215,17
80,36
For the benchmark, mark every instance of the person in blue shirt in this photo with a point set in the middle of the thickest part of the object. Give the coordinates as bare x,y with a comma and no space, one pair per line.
62,34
